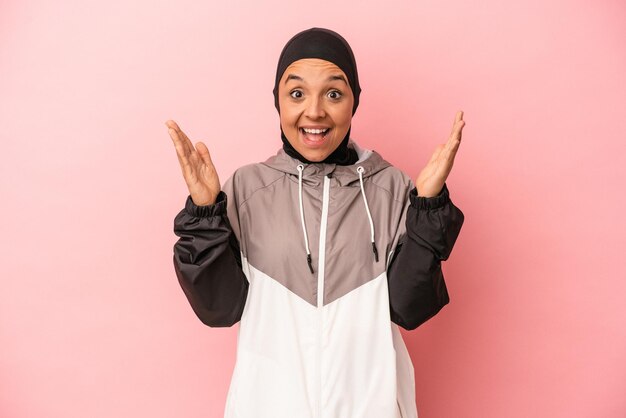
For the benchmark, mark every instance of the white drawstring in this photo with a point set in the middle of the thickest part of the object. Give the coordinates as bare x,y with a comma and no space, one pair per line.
360,170
306,240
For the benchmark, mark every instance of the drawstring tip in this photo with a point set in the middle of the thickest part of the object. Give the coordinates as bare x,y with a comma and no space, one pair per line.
308,260
375,251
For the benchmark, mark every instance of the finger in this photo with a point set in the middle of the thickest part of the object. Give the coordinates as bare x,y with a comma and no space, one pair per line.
192,156
204,154
184,139
449,153
183,158
187,140
446,157
458,125
182,154
455,135
437,153
173,126
211,172
180,148
452,145
458,117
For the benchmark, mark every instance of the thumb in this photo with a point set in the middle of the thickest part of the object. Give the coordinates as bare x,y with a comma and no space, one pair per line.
204,153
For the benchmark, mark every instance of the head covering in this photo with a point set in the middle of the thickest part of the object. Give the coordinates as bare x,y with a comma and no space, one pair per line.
330,46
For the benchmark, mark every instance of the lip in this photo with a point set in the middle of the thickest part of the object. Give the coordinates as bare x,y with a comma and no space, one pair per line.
314,144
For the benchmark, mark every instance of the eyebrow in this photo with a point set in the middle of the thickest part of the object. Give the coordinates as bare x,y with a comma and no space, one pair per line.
331,78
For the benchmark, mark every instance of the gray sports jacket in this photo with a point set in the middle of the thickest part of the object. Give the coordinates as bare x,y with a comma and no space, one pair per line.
320,264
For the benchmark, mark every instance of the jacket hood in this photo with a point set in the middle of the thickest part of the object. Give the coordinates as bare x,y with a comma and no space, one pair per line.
313,173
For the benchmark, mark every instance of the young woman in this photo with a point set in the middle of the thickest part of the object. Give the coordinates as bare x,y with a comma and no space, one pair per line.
320,252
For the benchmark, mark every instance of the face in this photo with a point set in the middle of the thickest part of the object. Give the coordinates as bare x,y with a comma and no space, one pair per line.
314,95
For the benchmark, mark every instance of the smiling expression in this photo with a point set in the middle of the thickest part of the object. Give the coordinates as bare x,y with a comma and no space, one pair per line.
315,103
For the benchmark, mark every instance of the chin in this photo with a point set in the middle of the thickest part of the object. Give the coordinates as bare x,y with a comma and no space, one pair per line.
314,156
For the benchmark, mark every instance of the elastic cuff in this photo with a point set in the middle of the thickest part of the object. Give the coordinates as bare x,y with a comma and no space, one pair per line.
216,209
421,202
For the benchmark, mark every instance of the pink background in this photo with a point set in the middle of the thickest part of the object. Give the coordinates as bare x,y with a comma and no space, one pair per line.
93,322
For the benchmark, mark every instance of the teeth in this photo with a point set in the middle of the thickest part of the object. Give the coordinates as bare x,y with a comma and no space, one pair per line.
314,131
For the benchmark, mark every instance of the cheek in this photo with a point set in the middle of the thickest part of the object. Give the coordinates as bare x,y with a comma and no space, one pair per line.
286,109
288,113
344,113
344,118
286,119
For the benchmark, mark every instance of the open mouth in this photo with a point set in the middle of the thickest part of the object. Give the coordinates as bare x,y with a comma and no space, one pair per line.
314,136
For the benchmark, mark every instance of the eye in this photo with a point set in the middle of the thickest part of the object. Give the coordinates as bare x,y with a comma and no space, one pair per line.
334,94
296,94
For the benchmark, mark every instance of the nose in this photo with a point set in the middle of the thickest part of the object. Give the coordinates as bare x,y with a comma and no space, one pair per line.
315,108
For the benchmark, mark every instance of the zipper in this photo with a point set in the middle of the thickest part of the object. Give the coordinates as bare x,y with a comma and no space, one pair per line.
320,289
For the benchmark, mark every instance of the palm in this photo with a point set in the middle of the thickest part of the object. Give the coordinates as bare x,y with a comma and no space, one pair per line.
431,179
198,169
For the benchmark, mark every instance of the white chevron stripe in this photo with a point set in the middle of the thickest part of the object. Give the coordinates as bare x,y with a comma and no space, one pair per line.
366,370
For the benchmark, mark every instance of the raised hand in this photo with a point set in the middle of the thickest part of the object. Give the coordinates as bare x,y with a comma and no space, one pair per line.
431,179
198,169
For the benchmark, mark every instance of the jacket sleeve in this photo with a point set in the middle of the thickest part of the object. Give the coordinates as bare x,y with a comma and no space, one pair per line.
207,261
417,290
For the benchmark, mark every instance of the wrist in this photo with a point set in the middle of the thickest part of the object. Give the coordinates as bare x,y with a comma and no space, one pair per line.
218,208
434,202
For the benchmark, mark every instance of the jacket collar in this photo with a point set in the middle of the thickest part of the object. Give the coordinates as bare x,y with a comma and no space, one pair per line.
313,173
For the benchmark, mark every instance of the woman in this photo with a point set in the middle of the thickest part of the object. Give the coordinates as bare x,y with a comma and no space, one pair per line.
320,252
